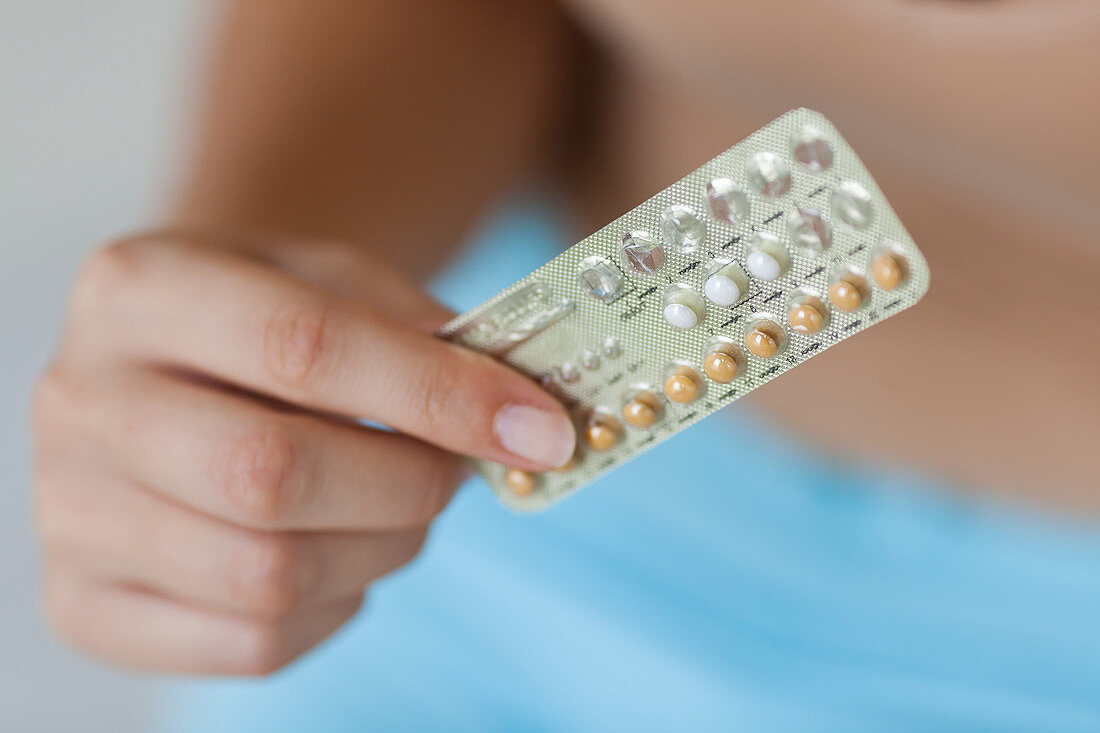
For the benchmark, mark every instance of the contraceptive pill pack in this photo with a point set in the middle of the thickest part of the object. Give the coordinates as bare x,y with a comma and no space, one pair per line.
762,258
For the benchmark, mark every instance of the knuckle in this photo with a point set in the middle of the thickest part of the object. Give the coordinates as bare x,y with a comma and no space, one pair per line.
300,344
261,649
258,474
61,609
52,521
270,576
109,270
432,396
52,400
67,406
62,521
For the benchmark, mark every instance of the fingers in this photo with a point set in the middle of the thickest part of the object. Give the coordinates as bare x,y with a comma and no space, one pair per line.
192,527
121,534
248,325
140,629
245,462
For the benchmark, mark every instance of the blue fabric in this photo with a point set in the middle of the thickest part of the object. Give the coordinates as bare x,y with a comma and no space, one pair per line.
719,582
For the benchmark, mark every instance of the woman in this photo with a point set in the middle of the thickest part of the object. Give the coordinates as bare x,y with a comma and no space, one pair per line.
207,505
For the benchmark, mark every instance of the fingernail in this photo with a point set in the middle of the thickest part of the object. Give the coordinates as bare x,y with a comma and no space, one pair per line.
534,434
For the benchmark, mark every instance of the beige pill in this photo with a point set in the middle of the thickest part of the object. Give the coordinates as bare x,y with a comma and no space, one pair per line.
845,295
761,343
888,270
601,436
720,366
683,386
521,483
806,318
642,411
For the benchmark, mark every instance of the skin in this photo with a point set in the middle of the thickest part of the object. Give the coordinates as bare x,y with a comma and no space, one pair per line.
205,388
990,382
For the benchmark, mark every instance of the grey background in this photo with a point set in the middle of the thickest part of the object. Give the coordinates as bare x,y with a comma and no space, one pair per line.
95,98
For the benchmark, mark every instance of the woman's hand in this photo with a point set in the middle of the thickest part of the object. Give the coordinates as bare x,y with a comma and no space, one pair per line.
205,501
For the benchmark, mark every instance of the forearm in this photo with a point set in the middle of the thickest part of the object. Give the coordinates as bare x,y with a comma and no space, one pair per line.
387,123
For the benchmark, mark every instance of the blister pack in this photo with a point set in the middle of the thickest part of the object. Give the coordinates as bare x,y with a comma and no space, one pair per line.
762,258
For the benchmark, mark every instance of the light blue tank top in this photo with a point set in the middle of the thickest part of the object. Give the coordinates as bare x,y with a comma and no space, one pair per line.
720,582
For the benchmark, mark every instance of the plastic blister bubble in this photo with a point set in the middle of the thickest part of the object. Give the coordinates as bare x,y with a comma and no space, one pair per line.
793,190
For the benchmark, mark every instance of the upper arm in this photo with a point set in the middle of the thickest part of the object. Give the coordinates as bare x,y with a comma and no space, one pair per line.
384,121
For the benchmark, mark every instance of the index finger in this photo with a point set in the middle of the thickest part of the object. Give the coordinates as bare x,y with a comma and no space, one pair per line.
249,325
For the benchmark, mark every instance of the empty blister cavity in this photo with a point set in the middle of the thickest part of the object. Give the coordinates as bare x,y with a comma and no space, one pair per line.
764,336
590,359
808,230
852,204
768,175
641,253
727,202
569,372
765,257
599,278
682,384
682,307
810,148
612,348
723,361
682,228
629,376
725,283
848,289
807,313
642,407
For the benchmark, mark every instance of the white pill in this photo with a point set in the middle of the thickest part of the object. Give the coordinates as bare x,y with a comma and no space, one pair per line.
680,315
722,290
763,265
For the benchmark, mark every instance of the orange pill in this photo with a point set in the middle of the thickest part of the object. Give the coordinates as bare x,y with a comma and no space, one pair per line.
888,270
845,296
762,343
521,483
642,411
601,436
806,318
683,386
720,366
